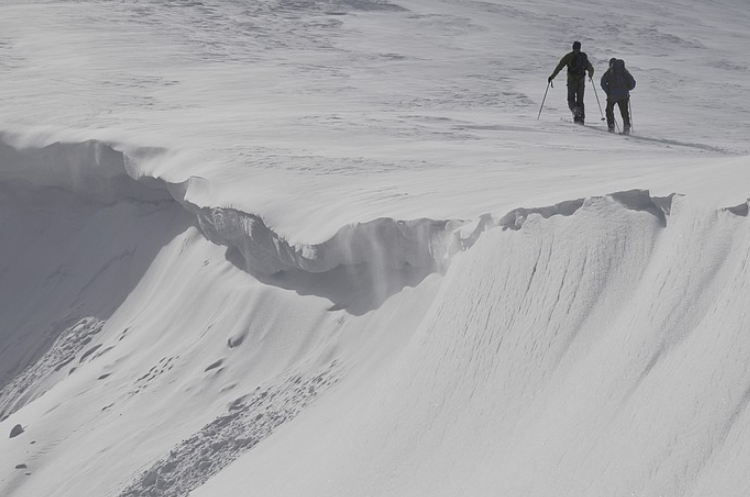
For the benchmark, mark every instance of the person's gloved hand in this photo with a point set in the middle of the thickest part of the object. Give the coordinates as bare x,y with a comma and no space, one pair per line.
549,80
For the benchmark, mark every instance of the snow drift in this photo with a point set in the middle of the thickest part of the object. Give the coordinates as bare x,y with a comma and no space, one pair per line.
588,354
88,193
98,266
544,343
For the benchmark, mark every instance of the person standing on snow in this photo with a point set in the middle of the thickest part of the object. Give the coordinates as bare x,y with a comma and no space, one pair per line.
578,64
617,83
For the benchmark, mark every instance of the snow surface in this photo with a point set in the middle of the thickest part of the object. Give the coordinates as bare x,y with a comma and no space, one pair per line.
326,248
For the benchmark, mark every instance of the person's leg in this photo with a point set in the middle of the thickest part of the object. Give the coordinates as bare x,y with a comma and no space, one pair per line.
623,104
610,112
579,98
572,104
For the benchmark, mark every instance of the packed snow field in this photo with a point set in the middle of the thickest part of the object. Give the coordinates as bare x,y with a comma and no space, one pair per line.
326,248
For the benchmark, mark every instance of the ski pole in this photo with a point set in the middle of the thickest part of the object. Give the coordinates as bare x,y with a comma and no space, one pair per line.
597,97
549,83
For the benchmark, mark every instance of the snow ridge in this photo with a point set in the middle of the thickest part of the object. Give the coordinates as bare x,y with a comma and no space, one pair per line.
375,259
91,169
357,269
385,242
100,172
635,200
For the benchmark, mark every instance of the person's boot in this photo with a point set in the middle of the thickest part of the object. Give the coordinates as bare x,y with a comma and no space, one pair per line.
626,130
611,129
577,118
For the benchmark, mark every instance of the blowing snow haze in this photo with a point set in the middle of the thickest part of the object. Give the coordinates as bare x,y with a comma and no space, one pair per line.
300,248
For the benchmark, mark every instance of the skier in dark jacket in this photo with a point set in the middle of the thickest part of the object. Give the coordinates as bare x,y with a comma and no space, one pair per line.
617,83
578,64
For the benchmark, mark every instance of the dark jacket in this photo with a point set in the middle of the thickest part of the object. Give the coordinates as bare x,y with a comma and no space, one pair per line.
617,82
567,60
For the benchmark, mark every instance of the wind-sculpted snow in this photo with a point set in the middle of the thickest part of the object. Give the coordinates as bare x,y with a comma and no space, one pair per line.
91,170
80,227
527,341
383,242
594,344
637,200
357,269
77,233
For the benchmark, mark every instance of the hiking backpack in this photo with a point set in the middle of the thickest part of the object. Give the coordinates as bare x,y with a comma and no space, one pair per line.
578,64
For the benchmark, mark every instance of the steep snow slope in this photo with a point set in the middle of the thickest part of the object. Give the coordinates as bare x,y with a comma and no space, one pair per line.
596,353
325,248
